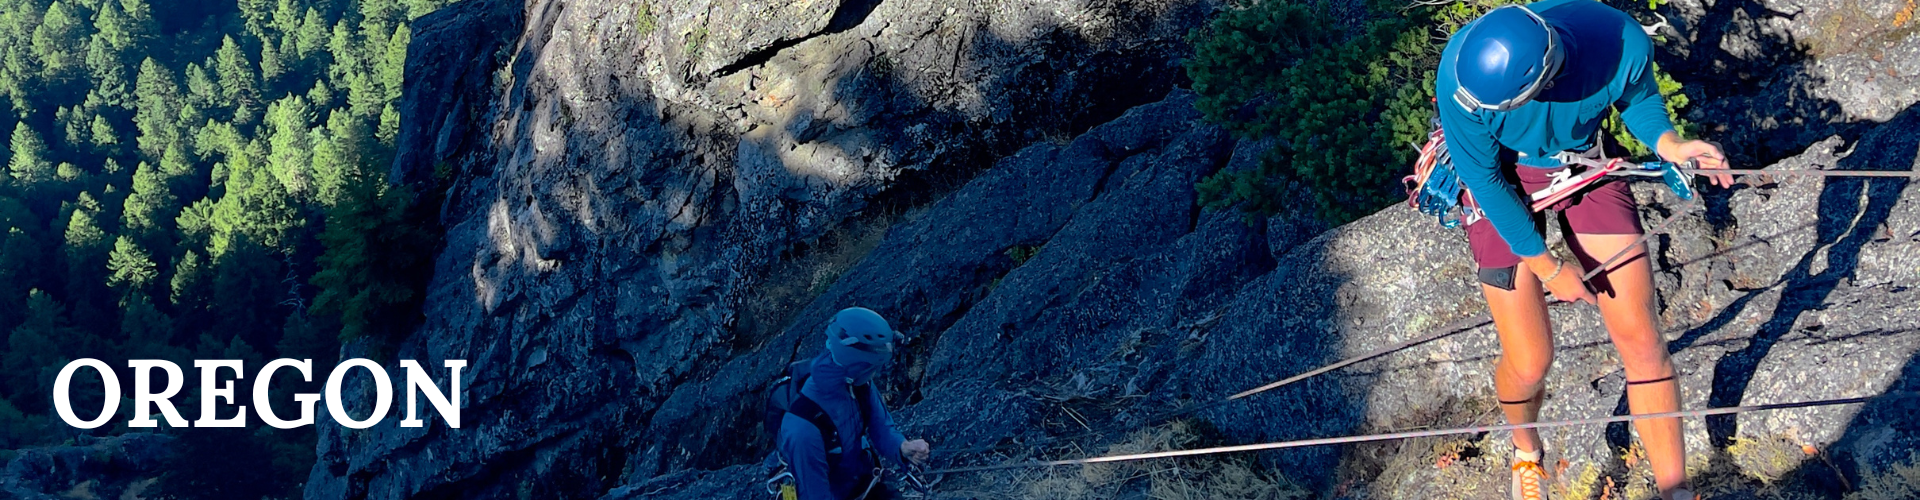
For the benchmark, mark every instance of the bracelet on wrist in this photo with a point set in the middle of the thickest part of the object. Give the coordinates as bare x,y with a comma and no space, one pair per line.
1558,264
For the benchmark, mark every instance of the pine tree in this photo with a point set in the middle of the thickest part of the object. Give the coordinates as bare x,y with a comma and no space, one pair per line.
255,15
85,249
111,87
104,137
189,281
389,125
373,260
364,95
76,125
17,429
20,260
130,268
142,28
272,64
29,165
71,174
158,99
321,96
34,351
203,90
116,28
150,204
147,333
286,22
310,39
289,122
57,42
238,82
392,66
345,49
328,167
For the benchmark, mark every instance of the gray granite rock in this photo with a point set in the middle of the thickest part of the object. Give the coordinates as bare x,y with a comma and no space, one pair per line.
642,230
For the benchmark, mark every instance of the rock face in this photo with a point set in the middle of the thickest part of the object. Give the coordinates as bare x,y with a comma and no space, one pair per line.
652,207
640,193
103,468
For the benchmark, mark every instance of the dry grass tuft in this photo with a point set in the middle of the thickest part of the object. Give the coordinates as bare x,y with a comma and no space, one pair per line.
1766,459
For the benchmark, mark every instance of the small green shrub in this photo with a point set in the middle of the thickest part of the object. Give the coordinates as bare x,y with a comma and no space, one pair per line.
644,21
695,41
1344,108
1670,90
1897,481
1021,253
1347,108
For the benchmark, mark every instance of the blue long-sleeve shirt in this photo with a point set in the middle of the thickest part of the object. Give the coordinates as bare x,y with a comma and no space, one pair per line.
1609,61
805,451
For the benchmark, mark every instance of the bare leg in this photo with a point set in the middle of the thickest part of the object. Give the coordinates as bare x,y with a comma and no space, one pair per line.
1526,352
1628,311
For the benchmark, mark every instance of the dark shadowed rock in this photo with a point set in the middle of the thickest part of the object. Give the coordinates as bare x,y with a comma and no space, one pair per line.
103,467
652,207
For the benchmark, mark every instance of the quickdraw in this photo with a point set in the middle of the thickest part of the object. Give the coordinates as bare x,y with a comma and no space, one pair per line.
1434,189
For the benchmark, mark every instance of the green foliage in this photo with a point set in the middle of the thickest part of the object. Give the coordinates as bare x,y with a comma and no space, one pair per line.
150,201
17,428
130,268
372,267
696,41
644,22
248,130
1021,253
34,350
29,165
1670,91
1342,107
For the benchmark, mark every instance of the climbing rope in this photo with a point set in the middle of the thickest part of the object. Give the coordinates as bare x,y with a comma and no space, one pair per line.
1812,173
1364,438
1456,327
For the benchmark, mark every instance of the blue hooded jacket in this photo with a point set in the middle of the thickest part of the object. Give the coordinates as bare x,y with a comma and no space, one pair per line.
1609,62
805,451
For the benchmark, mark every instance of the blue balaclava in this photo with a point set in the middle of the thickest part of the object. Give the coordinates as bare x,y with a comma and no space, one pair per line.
859,340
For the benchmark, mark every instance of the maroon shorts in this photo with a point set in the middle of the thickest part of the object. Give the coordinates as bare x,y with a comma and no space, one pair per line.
1604,209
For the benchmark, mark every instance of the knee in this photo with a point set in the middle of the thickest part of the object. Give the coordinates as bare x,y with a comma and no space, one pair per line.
1527,370
1645,348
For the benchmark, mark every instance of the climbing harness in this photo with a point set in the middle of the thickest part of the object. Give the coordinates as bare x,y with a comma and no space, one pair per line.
1365,438
1566,184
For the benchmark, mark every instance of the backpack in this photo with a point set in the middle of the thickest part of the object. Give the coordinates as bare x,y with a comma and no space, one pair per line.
784,397
1435,189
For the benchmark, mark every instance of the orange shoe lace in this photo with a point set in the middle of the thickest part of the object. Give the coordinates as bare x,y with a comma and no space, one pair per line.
1530,475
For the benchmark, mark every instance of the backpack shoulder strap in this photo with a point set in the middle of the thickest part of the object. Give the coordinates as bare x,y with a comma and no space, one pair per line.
805,408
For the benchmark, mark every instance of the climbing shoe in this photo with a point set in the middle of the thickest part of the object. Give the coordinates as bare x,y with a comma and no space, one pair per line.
1529,479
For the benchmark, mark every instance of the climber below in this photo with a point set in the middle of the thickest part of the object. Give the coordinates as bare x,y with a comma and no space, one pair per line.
838,404
1518,88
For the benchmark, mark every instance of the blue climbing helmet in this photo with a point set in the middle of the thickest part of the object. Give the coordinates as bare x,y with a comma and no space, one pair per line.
1506,58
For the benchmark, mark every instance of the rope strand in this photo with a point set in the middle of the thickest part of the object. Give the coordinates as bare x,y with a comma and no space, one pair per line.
1408,435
